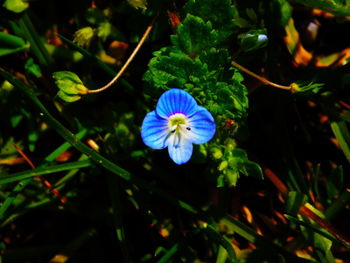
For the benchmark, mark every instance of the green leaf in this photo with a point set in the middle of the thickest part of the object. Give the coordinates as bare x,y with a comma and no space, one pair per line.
43,170
11,40
295,201
342,134
306,89
37,43
337,7
234,163
138,3
32,68
249,168
194,36
222,19
12,44
335,182
222,240
323,247
285,11
68,97
174,70
16,6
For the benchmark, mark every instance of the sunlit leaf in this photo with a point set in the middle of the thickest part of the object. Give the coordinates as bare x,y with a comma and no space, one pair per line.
138,3
32,68
16,6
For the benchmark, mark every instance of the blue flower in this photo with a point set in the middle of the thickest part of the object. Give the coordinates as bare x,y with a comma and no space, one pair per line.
177,123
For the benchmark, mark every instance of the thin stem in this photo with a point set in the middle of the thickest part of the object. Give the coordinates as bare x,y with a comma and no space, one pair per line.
262,79
121,71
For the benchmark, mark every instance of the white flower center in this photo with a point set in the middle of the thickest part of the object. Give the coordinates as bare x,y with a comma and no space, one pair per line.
179,127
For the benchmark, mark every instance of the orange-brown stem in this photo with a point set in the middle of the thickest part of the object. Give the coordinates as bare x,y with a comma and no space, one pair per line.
133,54
262,79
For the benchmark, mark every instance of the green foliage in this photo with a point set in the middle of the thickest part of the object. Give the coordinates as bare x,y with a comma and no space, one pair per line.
32,68
16,6
10,44
138,3
101,27
193,37
233,163
285,11
223,19
337,7
197,63
83,36
295,201
306,89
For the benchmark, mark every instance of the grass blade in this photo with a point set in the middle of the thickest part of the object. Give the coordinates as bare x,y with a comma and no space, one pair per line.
342,134
222,241
44,170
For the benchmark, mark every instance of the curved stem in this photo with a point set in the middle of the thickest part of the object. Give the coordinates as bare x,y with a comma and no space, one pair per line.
121,71
262,79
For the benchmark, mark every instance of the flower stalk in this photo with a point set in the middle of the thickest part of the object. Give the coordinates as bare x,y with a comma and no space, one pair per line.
291,87
133,54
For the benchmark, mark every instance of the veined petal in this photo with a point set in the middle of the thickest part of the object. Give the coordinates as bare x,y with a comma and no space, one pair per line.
202,126
176,101
179,148
154,131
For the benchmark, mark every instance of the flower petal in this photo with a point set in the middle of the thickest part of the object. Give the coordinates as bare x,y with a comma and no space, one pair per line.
154,131
179,148
202,126
176,101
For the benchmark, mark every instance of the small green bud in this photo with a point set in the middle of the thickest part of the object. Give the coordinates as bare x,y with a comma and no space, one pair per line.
84,36
70,86
231,177
230,144
222,165
294,88
216,153
104,30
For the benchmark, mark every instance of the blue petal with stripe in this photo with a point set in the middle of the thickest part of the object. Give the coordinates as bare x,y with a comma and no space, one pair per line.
176,101
154,131
202,126
180,149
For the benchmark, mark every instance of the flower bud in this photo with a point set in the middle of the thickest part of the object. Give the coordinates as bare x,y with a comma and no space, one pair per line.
84,36
70,86
216,153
